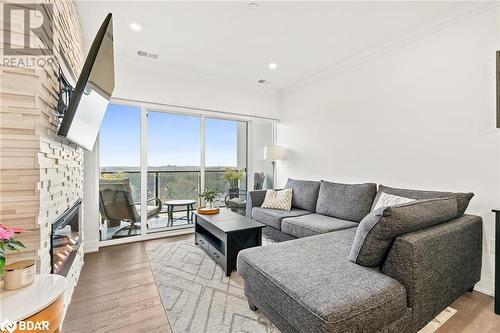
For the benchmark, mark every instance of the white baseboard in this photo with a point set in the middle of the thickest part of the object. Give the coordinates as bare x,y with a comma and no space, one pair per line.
485,286
93,246
90,246
140,238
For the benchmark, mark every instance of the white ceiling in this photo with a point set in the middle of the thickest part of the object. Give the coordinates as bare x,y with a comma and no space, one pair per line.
230,40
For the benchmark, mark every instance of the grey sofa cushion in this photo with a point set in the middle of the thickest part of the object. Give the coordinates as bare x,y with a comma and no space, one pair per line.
305,193
314,224
316,288
273,217
380,228
346,201
463,199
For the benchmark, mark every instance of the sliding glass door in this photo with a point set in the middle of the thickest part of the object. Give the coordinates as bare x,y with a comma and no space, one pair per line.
177,156
120,181
226,158
173,166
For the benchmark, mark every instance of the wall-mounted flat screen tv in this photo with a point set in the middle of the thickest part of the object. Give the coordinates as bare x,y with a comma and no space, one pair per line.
88,102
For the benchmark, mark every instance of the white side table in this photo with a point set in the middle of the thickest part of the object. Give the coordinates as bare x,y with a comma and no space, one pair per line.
41,301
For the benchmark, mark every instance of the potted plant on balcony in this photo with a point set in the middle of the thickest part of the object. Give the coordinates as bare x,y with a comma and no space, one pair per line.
233,179
209,196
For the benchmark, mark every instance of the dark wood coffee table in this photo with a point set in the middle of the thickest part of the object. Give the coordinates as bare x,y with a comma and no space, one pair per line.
225,234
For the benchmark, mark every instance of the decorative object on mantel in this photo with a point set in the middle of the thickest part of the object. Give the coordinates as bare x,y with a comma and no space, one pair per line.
273,153
497,260
8,242
19,274
41,304
208,211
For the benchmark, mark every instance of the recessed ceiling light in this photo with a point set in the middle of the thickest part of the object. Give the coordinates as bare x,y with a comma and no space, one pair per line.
272,66
135,26
253,5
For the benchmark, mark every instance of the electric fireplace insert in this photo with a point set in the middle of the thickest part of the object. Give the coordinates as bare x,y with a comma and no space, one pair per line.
65,239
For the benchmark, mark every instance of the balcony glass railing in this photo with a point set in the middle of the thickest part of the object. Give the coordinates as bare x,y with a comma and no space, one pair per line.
176,185
165,186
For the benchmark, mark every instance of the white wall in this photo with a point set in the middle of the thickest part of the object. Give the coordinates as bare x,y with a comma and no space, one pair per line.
91,218
145,81
420,116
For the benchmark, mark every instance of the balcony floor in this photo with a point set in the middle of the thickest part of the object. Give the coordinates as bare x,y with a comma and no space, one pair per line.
155,224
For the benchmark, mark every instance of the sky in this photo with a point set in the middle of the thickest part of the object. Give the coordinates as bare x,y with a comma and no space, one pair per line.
173,139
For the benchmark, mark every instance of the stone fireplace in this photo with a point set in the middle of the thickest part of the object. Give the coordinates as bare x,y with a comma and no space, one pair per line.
41,175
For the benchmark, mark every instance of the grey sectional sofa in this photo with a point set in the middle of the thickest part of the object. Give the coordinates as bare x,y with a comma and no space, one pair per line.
310,282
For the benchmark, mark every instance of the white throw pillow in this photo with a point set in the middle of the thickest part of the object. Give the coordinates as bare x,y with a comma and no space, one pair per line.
278,199
386,200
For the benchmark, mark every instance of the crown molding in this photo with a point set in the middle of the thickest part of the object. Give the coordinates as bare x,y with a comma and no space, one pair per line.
448,21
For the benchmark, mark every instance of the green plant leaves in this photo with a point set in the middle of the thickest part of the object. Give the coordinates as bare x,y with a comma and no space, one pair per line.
209,195
11,244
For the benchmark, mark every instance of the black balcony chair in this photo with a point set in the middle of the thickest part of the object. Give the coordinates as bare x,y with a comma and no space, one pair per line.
237,201
116,205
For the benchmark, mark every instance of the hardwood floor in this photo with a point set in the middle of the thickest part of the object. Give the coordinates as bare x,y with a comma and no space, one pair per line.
474,314
117,293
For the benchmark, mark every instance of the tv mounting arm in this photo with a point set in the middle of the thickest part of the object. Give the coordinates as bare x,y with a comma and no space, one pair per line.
65,92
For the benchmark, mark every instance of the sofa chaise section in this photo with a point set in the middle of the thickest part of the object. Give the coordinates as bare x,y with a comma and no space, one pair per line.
309,285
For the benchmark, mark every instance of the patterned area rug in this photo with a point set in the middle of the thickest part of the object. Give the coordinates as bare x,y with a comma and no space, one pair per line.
198,297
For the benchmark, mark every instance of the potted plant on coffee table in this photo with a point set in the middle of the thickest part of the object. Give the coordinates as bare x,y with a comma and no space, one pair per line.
233,179
209,196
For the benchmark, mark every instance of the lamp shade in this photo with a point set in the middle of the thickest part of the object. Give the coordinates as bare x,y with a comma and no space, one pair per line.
273,153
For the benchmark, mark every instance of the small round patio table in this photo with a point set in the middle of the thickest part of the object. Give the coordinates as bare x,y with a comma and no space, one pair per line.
171,204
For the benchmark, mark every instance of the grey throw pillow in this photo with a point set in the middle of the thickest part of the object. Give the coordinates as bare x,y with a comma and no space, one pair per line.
345,201
305,193
378,230
463,199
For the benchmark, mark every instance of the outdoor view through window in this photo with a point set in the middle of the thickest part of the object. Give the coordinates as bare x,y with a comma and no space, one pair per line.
173,167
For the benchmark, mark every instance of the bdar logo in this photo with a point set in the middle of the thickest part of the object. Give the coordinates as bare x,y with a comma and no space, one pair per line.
8,326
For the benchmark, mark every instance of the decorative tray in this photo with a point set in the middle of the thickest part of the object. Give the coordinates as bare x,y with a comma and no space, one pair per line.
208,211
